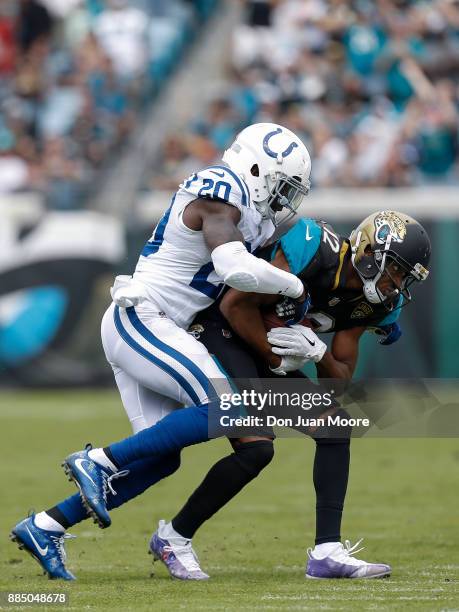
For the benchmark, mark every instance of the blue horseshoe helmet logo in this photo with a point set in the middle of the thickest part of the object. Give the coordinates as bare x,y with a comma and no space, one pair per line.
272,153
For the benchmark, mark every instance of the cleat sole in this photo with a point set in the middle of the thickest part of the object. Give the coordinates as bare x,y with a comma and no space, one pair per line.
153,562
377,576
69,472
155,556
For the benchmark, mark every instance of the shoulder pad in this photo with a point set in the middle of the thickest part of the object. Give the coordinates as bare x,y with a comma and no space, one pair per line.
301,243
218,183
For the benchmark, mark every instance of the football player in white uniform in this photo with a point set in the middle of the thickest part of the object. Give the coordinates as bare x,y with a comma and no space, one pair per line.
205,239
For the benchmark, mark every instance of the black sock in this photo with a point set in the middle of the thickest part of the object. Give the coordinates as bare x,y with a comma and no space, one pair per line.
57,515
331,472
223,481
108,452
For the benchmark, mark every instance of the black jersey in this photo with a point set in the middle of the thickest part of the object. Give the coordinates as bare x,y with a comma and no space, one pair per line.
320,258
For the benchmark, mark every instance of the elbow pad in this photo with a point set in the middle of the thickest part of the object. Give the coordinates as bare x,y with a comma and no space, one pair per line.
243,271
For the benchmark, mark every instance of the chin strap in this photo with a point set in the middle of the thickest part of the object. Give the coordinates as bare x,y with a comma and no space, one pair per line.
370,290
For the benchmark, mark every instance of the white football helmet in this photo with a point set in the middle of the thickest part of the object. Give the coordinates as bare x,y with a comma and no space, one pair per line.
275,165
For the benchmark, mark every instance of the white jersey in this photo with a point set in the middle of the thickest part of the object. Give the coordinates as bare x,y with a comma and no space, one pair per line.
175,266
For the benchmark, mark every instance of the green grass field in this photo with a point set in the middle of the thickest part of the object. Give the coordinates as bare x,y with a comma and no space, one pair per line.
402,498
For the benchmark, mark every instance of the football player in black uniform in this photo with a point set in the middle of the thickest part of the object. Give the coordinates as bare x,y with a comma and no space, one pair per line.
354,284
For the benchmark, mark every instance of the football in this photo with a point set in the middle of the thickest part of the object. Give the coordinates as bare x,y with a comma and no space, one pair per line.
271,320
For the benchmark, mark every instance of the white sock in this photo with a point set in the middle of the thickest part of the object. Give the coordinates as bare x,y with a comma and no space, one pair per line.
167,532
44,521
323,550
98,455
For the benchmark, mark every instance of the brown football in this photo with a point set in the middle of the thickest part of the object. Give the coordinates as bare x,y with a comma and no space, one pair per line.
271,320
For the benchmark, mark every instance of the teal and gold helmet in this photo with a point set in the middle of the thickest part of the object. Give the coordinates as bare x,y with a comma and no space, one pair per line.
387,238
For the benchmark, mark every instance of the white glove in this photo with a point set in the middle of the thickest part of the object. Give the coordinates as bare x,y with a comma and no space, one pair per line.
126,292
289,364
297,341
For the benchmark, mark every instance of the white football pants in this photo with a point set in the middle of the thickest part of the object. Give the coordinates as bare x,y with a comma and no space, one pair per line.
158,366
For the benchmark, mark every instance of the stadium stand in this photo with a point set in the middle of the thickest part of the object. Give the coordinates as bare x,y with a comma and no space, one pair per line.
73,74
370,86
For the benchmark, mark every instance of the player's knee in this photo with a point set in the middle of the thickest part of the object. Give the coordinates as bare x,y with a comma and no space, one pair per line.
254,456
337,434
171,463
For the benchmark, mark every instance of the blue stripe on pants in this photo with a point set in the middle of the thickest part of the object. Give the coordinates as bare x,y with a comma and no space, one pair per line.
169,350
161,364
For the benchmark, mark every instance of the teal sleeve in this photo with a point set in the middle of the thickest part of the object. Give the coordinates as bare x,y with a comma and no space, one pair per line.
392,316
301,243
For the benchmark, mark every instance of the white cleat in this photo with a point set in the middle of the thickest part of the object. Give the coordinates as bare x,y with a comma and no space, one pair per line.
340,563
178,556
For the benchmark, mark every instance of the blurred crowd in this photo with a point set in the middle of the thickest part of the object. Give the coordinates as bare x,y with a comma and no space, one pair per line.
73,73
372,87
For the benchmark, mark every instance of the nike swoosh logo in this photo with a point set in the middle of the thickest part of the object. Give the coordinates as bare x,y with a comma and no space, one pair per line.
308,236
78,463
311,343
220,174
43,551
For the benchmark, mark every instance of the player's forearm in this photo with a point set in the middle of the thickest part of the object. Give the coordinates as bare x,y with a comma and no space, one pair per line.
246,321
341,359
243,271
329,367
